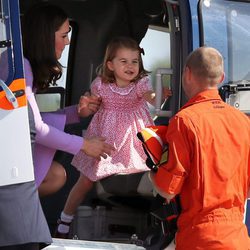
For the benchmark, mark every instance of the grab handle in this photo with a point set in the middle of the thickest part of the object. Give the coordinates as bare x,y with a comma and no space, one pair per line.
9,94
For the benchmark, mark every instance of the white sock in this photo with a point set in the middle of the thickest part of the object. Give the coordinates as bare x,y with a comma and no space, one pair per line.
65,218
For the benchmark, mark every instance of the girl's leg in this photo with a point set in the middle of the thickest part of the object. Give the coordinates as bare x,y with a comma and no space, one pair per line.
54,180
76,196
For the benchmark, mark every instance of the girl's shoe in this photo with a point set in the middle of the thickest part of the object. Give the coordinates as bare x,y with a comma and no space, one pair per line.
58,234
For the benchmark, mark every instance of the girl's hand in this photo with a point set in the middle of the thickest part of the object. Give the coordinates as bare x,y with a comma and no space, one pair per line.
166,93
88,104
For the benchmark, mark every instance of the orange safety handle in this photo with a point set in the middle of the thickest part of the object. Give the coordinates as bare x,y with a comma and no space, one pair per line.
16,85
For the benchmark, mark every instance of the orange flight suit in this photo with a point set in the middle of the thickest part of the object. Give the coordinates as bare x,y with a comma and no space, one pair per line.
209,166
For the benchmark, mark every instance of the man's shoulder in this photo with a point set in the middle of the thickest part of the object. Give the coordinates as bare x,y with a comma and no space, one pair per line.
188,112
202,111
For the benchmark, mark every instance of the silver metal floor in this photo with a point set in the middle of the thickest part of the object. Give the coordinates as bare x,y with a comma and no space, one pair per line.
61,244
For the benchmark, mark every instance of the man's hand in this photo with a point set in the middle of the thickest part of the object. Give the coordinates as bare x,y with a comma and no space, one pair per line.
88,104
163,194
97,147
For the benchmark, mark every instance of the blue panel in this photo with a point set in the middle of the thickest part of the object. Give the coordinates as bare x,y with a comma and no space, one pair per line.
195,23
16,36
248,216
8,52
13,52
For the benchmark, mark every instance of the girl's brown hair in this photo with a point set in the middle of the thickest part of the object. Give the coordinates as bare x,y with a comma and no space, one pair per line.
111,50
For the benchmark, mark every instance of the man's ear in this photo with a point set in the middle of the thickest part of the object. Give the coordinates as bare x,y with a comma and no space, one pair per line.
110,65
222,77
187,74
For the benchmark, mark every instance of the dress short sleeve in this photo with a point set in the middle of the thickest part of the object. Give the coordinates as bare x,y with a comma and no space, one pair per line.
96,86
143,85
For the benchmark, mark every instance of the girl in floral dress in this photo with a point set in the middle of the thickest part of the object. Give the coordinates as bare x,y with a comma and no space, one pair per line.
125,89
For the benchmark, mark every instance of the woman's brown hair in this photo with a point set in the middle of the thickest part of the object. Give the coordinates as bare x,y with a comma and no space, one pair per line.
38,29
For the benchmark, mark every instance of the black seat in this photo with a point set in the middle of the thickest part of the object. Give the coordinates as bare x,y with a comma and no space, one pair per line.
133,190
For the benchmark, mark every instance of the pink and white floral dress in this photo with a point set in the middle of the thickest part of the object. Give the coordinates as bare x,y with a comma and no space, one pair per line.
122,114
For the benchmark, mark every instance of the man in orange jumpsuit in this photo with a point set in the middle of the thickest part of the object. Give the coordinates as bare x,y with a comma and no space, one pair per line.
209,161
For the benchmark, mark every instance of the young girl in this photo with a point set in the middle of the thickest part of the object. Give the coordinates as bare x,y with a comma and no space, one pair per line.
125,90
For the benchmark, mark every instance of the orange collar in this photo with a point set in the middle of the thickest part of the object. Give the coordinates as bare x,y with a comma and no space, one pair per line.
204,96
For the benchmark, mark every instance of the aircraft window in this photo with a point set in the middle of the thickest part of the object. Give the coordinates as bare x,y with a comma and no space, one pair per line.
6,67
156,45
230,18
48,102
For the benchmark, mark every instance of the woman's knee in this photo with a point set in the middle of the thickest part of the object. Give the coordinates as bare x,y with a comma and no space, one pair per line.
54,180
57,173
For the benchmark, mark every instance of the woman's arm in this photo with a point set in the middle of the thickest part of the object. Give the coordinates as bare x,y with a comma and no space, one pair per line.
71,113
52,137
48,135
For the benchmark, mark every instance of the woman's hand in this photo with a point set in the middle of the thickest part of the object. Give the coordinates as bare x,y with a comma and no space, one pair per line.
88,104
97,147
